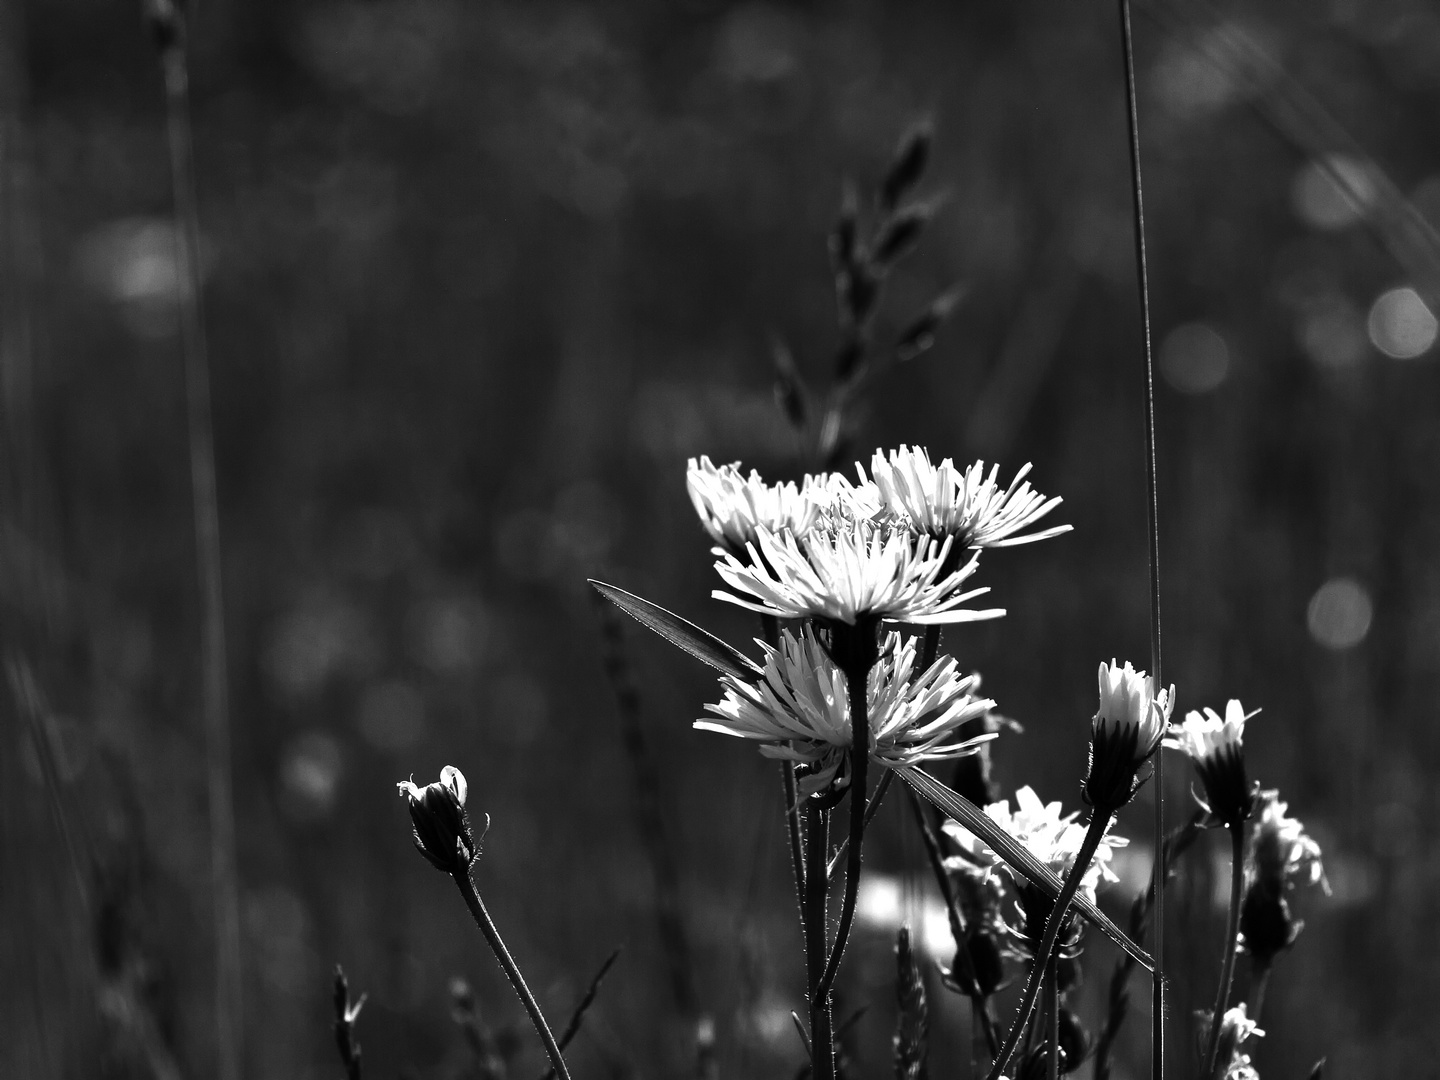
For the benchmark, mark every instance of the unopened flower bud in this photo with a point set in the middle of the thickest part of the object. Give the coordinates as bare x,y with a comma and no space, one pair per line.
1125,732
441,831
986,961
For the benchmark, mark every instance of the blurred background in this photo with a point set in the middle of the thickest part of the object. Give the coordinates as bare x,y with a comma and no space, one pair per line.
479,277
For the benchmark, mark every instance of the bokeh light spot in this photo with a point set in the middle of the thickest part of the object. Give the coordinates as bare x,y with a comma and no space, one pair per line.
310,775
1332,333
1333,192
392,715
1194,358
1401,325
1340,613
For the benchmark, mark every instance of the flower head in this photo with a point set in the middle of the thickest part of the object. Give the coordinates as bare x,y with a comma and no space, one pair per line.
1052,837
1235,1028
440,830
800,709
940,501
1216,747
1281,857
733,506
1126,730
848,569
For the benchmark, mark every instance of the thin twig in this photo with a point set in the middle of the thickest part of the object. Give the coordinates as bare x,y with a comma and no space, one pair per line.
1152,509
344,1025
170,29
512,970
1232,947
578,1016
871,809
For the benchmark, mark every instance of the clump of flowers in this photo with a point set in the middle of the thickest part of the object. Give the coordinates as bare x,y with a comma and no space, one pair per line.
800,709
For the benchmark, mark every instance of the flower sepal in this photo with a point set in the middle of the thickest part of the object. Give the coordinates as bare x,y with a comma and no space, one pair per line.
440,829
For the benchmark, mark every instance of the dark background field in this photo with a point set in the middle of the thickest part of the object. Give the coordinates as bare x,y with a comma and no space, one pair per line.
479,278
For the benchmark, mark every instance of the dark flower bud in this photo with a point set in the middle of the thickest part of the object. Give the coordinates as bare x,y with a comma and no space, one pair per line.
1074,1041
441,831
1266,924
986,961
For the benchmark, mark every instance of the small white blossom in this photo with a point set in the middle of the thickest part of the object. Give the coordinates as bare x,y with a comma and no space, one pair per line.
1128,700
1216,748
941,501
1283,853
1235,1028
1052,837
800,709
732,506
1205,737
849,569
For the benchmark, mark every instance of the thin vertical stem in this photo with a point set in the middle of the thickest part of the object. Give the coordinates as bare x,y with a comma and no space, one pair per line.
1152,507
770,629
512,970
817,889
1232,934
857,681
1257,995
1099,820
218,766
1052,1014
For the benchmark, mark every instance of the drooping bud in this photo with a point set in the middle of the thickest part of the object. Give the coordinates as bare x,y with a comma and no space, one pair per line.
1125,732
440,829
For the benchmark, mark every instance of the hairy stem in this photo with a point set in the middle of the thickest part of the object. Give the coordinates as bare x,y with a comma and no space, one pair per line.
1232,946
858,681
512,970
1052,1025
817,890
1099,819
1257,995
871,809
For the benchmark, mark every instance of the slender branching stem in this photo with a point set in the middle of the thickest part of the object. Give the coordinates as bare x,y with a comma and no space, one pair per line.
1152,509
1052,1014
817,891
871,809
963,960
1099,820
1232,946
572,1028
858,681
512,970
218,769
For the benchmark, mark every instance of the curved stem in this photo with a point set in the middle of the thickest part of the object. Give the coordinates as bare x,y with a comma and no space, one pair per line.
858,682
512,970
1232,933
1099,819
822,1043
871,809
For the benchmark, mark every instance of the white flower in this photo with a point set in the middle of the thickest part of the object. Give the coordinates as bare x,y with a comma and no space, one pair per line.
1240,1068
1235,1028
941,501
800,709
732,506
1206,737
1053,838
1283,854
849,568
1128,700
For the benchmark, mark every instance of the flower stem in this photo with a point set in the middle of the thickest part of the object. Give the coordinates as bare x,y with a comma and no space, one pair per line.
817,889
1257,995
930,647
1052,1013
1099,819
858,681
512,970
770,629
871,809
1232,932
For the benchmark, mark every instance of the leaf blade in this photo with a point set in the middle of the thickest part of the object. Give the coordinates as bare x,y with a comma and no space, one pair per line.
682,633
958,808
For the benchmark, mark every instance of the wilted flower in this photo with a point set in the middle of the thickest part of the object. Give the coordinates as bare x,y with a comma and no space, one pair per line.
733,506
441,831
1126,730
1217,749
851,570
800,709
1052,837
940,501
1281,856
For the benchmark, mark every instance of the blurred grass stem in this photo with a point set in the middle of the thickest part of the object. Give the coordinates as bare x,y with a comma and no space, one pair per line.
218,767
1232,933
1099,820
1152,507
512,970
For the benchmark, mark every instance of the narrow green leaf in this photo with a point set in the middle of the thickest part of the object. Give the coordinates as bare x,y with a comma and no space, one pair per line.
682,633
955,806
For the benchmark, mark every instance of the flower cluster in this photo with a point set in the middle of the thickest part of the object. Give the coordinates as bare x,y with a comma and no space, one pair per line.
800,710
